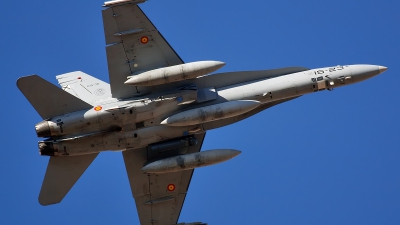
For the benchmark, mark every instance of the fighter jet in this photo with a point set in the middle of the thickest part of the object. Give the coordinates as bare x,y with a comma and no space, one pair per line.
156,111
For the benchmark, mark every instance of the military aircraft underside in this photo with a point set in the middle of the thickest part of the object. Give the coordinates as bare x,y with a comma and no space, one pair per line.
156,110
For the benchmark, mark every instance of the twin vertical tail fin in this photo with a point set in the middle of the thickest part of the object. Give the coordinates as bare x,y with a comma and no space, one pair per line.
84,86
49,101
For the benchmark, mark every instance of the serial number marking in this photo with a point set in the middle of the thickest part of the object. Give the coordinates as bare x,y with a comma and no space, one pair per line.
332,69
91,85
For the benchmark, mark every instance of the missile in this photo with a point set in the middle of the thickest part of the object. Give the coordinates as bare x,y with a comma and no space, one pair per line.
190,161
174,73
211,113
122,2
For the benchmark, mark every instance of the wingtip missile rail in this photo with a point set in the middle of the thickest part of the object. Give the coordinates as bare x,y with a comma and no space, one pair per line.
174,73
122,2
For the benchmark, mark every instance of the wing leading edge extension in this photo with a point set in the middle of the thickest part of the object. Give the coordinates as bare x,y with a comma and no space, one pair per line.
159,198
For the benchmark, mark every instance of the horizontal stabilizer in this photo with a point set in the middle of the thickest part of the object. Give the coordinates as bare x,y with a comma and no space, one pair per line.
61,174
47,99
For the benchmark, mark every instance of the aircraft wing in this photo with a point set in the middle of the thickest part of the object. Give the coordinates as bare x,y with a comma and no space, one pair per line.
133,45
159,198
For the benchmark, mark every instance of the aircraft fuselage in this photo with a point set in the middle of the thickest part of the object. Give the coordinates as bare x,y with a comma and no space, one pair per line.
139,122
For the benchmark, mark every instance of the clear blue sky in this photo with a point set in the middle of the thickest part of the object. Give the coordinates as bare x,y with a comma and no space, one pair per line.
325,158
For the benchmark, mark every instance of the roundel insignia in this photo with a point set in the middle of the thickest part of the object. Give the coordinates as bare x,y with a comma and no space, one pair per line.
171,187
144,40
98,108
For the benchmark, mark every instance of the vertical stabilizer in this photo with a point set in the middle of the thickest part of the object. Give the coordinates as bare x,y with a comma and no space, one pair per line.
84,86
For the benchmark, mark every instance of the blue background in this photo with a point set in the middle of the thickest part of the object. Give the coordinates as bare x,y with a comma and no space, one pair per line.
326,158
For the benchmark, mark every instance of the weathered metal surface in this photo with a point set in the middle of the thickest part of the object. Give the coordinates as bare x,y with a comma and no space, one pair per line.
113,140
43,129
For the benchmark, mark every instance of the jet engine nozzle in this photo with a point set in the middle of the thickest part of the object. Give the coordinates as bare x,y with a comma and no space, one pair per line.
43,129
48,148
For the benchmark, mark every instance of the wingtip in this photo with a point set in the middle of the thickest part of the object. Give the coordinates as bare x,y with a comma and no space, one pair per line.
21,79
45,202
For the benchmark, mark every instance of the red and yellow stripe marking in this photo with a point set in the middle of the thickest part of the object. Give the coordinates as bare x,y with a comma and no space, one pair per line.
98,108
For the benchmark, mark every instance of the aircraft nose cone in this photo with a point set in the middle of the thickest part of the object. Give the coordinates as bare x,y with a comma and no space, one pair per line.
382,69
363,72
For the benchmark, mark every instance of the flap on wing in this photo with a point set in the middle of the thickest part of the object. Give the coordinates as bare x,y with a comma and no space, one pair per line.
61,174
47,99
159,198
133,44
